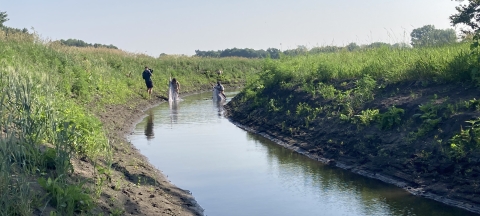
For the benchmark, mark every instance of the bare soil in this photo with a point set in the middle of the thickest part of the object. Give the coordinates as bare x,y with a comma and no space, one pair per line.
418,164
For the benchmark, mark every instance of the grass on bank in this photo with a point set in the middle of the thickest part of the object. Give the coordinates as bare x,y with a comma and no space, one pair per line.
49,97
348,81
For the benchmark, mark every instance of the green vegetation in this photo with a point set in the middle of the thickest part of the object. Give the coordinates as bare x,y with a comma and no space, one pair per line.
467,142
81,43
429,36
50,95
350,79
328,92
390,118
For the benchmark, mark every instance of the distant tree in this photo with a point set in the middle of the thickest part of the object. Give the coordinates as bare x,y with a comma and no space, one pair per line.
352,46
9,30
401,45
3,18
246,53
300,50
105,46
81,43
274,53
378,45
421,36
325,49
211,53
444,36
429,36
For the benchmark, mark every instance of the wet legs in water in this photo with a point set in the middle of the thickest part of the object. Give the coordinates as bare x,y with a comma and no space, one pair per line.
149,91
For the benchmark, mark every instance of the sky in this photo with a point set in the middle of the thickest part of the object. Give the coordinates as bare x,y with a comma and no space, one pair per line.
153,27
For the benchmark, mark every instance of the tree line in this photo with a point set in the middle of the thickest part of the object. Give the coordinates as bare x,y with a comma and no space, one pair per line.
69,42
81,43
424,36
9,30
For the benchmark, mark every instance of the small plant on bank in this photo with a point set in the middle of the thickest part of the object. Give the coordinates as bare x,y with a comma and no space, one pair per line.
273,107
366,116
472,104
430,119
466,141
363,92
390,118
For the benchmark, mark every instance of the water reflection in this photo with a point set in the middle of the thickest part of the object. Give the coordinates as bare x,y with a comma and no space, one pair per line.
328,183
149,126
218,105
173,111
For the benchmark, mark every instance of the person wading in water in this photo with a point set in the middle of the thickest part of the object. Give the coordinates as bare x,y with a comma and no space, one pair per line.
147,76
220,89
176,85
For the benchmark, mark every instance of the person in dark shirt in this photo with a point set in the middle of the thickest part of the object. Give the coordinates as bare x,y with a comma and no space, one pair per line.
147,76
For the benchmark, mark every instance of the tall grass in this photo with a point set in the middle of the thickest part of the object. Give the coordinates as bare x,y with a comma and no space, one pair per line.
393,65
341,86
48,100
385,65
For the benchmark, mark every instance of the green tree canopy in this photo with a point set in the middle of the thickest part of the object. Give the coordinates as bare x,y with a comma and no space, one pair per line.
352,46
469,15
429,36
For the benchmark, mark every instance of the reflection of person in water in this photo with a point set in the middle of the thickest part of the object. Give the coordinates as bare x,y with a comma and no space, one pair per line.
219,106
173,111
149,126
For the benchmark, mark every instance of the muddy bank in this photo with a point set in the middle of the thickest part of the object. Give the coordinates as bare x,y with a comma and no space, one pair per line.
418,163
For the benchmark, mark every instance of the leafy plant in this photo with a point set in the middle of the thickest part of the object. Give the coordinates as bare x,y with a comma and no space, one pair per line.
367,116
430,118
467,141
390,118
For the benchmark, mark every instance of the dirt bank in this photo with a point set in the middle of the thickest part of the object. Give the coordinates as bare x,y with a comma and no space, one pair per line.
413,153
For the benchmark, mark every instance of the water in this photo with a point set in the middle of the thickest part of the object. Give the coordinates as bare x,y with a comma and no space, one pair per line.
232,172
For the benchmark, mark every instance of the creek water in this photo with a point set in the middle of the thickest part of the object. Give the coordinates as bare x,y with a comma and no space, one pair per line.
233,172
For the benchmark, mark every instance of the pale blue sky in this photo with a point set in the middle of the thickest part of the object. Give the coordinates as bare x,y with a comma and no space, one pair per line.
182,26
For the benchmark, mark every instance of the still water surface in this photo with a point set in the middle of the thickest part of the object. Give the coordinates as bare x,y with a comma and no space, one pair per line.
233,172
